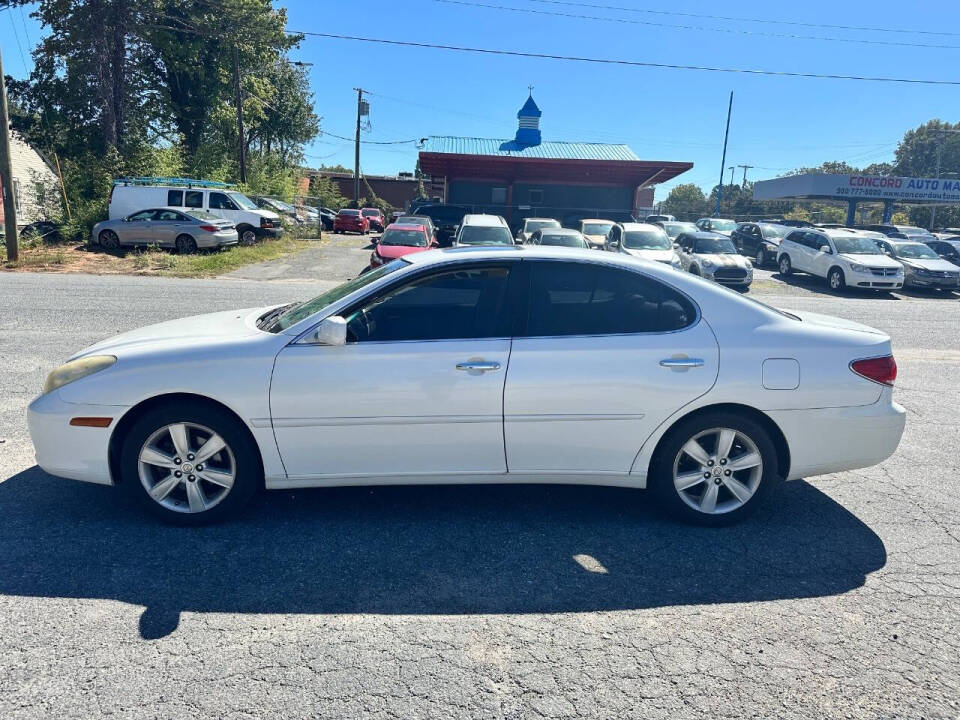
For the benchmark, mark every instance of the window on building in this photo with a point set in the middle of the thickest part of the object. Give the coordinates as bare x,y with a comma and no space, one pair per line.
498,196
536,197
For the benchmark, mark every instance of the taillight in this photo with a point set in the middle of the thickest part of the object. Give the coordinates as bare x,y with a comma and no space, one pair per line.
209,228
882,370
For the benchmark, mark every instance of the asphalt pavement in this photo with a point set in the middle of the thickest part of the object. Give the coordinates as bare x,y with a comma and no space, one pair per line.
842,599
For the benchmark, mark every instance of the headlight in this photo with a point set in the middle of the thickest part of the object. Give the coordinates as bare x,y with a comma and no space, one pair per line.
923,272
859,268
76,369
707,263
675,261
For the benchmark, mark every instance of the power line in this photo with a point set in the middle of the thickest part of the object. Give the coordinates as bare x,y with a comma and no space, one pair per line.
697,28
729,18
628,63
373,142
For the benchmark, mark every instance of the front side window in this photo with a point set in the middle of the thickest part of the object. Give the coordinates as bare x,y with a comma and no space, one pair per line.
193,198
591,299
219,201
466,303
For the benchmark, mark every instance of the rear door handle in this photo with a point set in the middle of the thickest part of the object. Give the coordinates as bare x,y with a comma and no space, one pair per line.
478,366
681,363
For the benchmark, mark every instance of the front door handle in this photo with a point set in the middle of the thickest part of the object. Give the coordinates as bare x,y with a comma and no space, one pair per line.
681,363
478,366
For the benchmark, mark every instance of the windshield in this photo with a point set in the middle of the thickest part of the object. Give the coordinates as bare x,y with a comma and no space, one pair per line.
562,240
534,225
596,228
242,200
411,238
296,313
722,225
646,240
370,213
484,235
772,231
714,246
284,205
856,245
915,251
675,228
354,213
908,230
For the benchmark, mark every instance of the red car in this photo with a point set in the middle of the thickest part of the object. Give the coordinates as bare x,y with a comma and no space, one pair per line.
374,217
350,221
400,240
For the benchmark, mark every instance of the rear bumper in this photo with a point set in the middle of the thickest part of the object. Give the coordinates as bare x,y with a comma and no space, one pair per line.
209,240
77,453
829,440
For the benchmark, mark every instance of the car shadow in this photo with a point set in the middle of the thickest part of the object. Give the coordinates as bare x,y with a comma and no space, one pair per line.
819,285
422,550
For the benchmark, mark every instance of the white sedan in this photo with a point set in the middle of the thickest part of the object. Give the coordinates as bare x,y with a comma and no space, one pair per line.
477,365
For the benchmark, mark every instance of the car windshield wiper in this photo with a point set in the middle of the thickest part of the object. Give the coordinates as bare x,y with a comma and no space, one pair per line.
267,320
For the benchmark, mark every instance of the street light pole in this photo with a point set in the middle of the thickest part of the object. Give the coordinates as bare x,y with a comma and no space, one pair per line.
731,169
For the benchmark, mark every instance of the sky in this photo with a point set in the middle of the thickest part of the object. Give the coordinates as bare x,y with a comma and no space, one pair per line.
778,123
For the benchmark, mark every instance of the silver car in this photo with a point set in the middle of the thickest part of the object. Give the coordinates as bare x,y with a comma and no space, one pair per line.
185,230
922,267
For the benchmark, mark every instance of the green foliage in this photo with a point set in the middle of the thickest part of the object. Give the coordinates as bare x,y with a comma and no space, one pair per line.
686,202
325,193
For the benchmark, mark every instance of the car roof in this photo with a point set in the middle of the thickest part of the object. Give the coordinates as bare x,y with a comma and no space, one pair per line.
713,218
597,220
558,231
541,219
640,226
406,226
485,220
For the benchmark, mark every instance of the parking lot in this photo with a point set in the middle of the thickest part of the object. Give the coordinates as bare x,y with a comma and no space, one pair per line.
842,599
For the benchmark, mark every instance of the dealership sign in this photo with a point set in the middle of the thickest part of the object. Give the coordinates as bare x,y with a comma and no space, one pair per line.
860,187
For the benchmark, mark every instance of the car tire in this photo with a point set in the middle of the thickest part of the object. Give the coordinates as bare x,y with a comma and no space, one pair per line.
109,240
176,499
185,244
836,280
680,483
248,236
694,270
784,265
761,257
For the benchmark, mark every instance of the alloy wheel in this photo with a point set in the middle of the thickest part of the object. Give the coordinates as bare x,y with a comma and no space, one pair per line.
109,240
717,470
186,467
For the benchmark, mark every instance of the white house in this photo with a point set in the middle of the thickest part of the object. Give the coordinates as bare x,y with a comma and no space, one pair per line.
36,188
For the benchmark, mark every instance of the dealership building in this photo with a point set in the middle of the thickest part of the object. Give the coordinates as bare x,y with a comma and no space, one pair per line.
526,176
856,189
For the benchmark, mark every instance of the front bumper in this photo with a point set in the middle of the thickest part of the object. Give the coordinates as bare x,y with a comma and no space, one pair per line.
274,232
738,282
931,282
871,281
77,453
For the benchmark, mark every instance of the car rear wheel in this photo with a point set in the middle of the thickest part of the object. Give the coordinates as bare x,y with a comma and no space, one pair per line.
109,240
189,463
714,469
836,279
785,265
186,245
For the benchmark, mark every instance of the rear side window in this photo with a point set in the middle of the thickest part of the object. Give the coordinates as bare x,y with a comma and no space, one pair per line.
587,299
194,198
175,197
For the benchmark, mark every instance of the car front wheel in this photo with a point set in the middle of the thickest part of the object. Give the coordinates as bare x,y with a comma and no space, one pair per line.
189,463
836,279
761,257
714,469
784,265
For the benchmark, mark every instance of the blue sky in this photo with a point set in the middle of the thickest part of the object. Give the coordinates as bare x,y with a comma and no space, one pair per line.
778,123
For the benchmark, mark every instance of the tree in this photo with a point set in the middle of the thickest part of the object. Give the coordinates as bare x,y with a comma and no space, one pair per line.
685,201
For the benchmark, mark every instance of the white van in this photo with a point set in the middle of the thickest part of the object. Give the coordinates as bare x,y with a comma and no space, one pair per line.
131,195
483,230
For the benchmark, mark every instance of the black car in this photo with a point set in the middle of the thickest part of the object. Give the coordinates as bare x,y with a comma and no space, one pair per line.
891,231
789,223
948,249
446,219
45,230
758,240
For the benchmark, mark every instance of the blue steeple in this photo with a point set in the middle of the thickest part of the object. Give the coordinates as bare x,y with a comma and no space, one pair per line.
528,130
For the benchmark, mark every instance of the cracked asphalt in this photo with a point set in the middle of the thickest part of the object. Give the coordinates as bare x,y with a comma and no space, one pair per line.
839,600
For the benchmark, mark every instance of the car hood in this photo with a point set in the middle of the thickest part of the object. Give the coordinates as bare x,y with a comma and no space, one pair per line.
834,322
654,255
721,260
213,328
877,261
937,265
392,252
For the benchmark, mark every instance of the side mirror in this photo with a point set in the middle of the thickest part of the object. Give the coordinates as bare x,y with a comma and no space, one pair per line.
332,331
676,246
825,249
615,243
434,244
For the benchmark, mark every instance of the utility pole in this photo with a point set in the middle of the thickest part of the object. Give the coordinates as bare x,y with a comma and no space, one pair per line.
356,151
942,132
6,176
745,168
723,161
731,169
241,143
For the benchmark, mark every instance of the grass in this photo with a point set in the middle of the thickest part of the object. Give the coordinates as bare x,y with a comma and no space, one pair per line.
70,258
